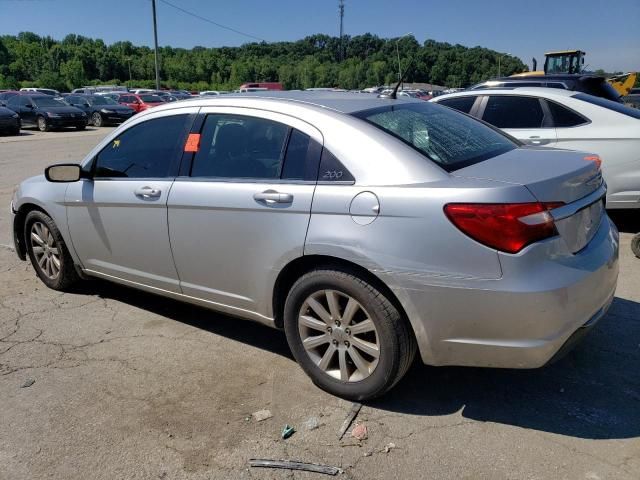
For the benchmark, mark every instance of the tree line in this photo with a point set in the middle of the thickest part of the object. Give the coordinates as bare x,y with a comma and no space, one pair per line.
315,61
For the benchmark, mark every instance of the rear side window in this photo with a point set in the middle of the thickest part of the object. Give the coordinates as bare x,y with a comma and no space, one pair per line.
564,117
447,137
302,157
238,146
462,104
511,111
609,104
146,150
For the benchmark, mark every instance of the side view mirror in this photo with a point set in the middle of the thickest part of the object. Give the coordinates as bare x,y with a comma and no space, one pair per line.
63,172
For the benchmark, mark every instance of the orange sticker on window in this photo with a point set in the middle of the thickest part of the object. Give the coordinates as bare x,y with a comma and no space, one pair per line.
193,143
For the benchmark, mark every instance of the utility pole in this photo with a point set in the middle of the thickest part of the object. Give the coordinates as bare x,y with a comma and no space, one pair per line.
341,11
155,42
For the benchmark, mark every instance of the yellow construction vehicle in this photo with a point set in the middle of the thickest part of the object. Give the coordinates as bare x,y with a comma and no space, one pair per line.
572,62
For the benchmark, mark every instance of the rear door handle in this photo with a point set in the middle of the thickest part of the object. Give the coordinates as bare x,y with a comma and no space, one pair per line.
148,192
271,196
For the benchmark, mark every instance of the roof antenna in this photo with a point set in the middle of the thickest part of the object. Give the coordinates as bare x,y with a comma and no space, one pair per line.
394,95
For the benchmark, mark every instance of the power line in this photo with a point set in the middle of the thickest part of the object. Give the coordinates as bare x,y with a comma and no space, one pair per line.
195,15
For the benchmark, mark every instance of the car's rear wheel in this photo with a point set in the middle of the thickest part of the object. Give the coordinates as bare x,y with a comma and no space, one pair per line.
43,126
347,335
97,120
48,252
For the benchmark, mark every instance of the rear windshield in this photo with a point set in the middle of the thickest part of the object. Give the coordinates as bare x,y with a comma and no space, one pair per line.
100,100
611,105
449,138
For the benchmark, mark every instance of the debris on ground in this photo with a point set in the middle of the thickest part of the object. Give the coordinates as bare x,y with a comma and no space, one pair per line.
359,432
287,431
27,383
312,423
367,454
351,416
295,465
388,447
261,415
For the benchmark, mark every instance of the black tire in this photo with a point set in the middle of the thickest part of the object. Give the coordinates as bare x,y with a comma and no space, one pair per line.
42,124
397,345
97,120
67,274
635,245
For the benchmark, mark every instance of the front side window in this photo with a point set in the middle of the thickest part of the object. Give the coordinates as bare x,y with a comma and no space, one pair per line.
238,146
146,150
448,138
462,104
511,111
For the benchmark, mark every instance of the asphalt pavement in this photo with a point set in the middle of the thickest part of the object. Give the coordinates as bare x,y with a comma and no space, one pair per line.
112,383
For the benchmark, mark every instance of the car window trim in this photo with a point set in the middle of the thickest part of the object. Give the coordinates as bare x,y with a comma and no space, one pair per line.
186,164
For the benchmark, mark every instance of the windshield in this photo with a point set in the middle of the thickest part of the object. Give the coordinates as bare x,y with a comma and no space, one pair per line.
449,138
151,98
609,104
102,101
47,102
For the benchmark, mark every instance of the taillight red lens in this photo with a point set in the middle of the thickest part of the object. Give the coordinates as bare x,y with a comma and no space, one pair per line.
508,227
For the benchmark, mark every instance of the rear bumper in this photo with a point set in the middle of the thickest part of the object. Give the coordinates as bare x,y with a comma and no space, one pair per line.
523,319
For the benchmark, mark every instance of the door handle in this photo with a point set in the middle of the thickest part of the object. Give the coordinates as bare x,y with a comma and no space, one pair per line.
271,196
148,192
536,140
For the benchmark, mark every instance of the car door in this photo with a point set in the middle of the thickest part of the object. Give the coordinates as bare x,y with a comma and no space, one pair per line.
522,117
118,217
27,110
240,209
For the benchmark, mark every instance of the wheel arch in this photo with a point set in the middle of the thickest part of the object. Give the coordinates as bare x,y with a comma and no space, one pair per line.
18,227
302,265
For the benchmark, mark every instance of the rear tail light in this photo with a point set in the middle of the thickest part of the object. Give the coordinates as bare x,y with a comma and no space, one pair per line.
595,159
508,227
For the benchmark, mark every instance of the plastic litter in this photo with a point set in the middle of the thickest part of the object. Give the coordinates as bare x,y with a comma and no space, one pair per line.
287,431
295,465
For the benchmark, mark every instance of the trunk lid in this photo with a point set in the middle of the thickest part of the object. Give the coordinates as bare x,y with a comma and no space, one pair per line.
553,176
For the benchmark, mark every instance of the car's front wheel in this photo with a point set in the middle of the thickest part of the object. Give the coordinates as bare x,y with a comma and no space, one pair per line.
347,335
43,126
48,252
97,120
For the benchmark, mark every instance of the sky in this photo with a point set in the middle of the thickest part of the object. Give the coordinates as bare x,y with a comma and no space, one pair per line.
608,31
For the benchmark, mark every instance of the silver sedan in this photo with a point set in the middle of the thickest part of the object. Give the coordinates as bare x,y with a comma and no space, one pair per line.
369,229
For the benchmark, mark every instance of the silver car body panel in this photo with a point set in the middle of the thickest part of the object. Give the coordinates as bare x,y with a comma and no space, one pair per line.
468,304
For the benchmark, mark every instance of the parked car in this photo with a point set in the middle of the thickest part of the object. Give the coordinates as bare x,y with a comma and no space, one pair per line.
45,112
367,228
44,91
9,122
100,109
565,119
591,84
5,96
262,85
209,93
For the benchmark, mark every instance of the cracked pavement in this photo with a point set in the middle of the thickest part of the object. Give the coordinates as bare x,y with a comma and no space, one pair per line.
128,385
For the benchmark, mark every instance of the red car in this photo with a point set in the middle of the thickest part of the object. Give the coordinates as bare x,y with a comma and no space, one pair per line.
139,102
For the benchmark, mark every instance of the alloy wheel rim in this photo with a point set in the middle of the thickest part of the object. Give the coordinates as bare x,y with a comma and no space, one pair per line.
45,250
42,123
97,120
339,336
